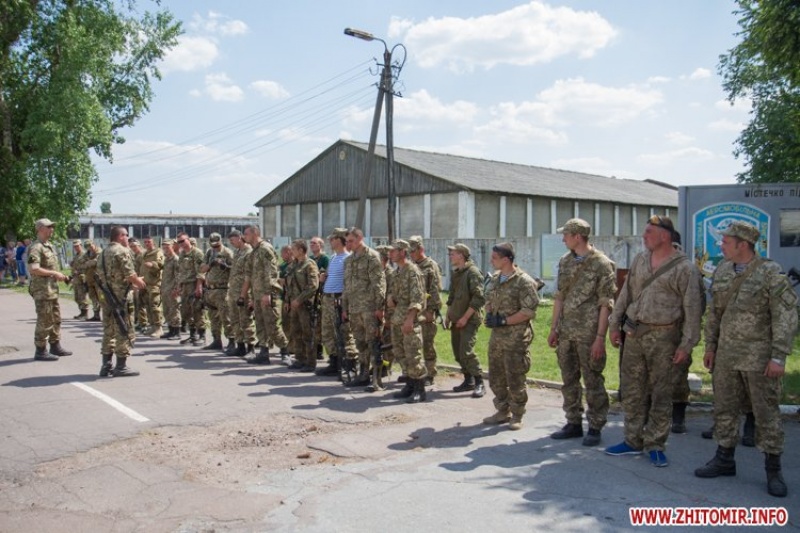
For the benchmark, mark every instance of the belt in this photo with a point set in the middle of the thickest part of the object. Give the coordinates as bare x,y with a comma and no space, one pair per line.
333,294
211,288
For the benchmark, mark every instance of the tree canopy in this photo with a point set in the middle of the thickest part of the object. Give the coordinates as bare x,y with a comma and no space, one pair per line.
765,68
73,74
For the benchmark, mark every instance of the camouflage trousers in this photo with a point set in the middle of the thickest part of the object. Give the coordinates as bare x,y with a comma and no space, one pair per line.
462,342
94,296
364,326
300,336
267,319
81,294
428,346
218,315
408,350
48,322
140,305
646,382
730,386
574,360
191,308
509,362
328,322
680,382
172,313
114,341
241,319
151,297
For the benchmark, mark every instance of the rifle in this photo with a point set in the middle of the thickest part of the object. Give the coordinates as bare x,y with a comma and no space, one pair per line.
377,355
118,311
794,276
314,311
440,319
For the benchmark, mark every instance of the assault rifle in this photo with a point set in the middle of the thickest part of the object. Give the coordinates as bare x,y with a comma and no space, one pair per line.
794,276
118,310
314,312
377,359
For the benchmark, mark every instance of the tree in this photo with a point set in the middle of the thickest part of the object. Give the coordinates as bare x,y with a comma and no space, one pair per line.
73,74
105,207
765,68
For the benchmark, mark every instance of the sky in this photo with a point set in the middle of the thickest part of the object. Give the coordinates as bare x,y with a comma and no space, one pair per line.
255,90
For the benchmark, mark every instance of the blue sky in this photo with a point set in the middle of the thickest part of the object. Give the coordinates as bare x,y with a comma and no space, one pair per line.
255,90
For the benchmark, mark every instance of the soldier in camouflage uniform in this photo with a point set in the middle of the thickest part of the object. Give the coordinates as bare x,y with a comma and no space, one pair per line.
117,273
749,333
389,272
45,275
363,299
511,302
216,271
284,271
302,282
261,279
190,290
89,268
662,302
317,252
582,304
241,311
151,270
139,297
408,303
79,289
432,275
169,284
464,311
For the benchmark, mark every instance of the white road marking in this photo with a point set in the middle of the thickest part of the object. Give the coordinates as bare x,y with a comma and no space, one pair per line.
127,411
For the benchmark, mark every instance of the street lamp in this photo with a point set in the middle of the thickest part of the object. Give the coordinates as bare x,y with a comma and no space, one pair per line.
385,91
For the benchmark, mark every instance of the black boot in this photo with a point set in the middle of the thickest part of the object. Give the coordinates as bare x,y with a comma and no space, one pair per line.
569,431
418,393
406,391
679,417
83,315
480,390
708,434
106,368
183,326
201,338
192,338
261,359
42,355
749,431
776,486
241,350
402,378
56,349
467,385
285,355
173,333
320,355
123,370
216,344
363,379
95,317
332,369
230,349
722,464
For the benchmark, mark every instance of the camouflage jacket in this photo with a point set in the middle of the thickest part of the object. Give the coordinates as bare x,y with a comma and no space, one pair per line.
584,287
189,266
758,323
238,269
90,267
262,270
409,292
152,275
43,254
115,266
77,265
138,260
516,293
219,263
302,281
389,273
432,279
673,298
466,290
364,282
169,279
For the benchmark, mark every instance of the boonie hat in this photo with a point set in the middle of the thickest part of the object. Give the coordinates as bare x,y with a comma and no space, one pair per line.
44,223
576,226
742,230
463,249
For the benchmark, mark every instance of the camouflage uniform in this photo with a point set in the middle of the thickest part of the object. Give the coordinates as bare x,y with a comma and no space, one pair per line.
241,317
585,285
151,296
409,293
169,281
79,288
44,291
302,282
216,282
466,291
509,356
390,274
668,314
364,295
262,273
89,268
115,266
322,261
432,279
284,271
188,274
140,296
758,324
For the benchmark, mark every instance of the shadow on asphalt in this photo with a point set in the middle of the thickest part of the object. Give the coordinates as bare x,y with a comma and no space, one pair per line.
50,381
457,436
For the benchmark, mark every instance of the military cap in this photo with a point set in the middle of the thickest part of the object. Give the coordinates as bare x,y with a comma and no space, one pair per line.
463,249
506,249
214,237
384,250
400,244
338,233
742,230
88,242
415,242
576,226
44,223
234,233
76,242
133,240
167,242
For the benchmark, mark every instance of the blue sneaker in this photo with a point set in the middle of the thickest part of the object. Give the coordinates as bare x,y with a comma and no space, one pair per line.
623,448
657,458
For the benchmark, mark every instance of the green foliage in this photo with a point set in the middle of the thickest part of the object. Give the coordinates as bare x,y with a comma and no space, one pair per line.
73,73
765,68
105,207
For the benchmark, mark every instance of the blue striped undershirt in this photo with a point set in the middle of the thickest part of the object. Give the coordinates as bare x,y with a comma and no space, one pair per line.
334,283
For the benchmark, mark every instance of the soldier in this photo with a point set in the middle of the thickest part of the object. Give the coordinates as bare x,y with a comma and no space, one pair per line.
170,287
216,271
749,333
241,316
389,273
464,311
302,283
117,273
45,275
408,302
659,308
582,304
261,279
139,297
151,270
432,275
284,271
364,298
89,268
317,247
511,302
190,290
79,289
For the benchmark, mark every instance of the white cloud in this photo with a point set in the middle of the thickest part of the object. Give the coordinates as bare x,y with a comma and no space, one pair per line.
690,153
512,125
529,34
677,137
270,89
739,105
699,74
191,53
658,79
221,88
218,24
726,125
420,105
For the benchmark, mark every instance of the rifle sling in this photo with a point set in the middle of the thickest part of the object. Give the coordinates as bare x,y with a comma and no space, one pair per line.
663,269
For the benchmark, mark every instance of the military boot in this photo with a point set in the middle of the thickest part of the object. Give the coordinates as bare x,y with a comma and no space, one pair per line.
95,316
320,355
56,349
418,393
363,378
201,338
83,315
261,359
192,338
230,349
708,434
467,385
479,390
749,431
722,464
156,332
500,417
42,355
776,486
183,326
332,369
402,378
122,370
569,431
679,417
285,355
406,391
216,344
173,333
106,368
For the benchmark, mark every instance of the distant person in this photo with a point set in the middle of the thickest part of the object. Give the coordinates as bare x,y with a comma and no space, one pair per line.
20,256
11,258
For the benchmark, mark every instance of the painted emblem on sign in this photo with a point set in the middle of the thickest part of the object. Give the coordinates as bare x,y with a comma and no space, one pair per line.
711,221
